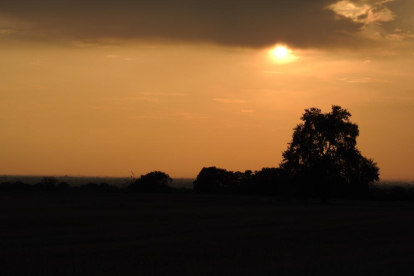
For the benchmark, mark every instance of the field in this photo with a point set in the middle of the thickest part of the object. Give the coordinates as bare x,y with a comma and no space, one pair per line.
186,234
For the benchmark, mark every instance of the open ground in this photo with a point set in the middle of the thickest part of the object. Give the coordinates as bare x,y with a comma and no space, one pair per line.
186,234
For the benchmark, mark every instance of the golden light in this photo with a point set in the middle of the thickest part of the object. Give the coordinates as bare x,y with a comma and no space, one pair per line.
280,52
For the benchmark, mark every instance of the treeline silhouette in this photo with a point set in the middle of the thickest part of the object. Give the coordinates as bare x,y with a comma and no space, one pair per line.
211,180
50,184
321,161
268,181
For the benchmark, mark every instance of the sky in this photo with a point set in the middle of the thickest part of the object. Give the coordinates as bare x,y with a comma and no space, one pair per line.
103,88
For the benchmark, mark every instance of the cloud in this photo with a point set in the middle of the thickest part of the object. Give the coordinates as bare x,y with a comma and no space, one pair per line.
36,62
104,43
117,100
189,116
364,11
116,56
361,80
241,23
399,35
230,101
272,72
162,94
7,31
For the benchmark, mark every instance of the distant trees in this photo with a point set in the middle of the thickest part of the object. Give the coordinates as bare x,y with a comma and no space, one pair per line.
212,180
322,157
48,183
155,181
101,188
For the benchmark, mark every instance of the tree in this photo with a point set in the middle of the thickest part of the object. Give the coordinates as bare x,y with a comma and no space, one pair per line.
214,180
48,183
155,181
323,151
268,181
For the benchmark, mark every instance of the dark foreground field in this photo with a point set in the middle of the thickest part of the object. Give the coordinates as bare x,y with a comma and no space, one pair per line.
135,234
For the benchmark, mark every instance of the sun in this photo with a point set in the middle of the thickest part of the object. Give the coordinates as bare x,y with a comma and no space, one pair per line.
280,52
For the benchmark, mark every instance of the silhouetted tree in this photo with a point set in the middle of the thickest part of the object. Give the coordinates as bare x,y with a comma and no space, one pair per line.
6,186
214,180
63,186
89,187
48,183
20,186
242,182
269,181
323,152
155,181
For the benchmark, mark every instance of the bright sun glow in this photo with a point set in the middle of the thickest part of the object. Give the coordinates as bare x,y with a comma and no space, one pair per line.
280,52
282,55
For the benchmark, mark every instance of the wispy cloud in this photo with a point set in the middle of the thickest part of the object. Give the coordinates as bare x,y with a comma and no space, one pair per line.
7,31
399,35
5,87
162,94
122,102
237,101
99,43
361,80
272,72
118,57
36,62
190,116
142,99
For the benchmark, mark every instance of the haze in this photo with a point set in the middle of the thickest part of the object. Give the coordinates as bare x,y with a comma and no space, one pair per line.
107,87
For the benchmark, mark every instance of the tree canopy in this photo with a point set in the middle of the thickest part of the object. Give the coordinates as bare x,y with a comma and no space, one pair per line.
323,151
155,181
268,181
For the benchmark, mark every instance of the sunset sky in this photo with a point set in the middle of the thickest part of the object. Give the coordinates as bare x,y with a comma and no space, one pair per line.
109,87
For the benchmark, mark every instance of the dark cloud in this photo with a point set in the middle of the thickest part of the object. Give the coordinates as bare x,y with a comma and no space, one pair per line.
404,19
259,23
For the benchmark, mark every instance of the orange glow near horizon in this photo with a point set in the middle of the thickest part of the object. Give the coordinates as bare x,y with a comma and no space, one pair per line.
178,108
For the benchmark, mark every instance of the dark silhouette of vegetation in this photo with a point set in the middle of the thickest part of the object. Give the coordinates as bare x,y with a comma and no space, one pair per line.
63,186
268,181
16,186
323,159
214,180
153,182
94,187
48,183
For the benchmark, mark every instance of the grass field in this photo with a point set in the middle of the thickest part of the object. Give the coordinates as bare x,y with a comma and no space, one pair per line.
187,234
